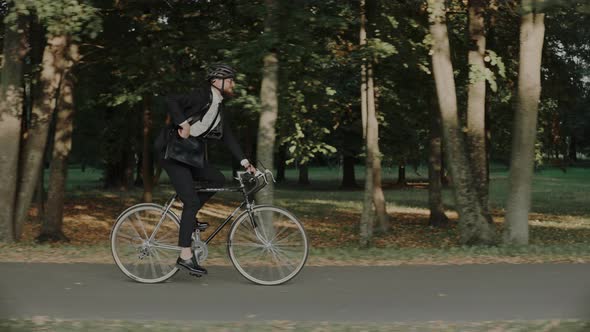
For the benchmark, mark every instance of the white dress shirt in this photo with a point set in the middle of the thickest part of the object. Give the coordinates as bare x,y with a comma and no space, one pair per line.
200,127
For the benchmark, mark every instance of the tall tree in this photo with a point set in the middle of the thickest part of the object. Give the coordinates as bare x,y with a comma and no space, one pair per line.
269,103
374,155
51,228
474,227
367,218
63,20
11,108
532,32
374,199
476,101
435,201
44,104
147,164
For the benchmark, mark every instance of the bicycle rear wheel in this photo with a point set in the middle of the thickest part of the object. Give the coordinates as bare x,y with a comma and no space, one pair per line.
137,257
269,249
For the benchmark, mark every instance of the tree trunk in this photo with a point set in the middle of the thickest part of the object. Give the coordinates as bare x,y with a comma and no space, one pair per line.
445,177
303,174
43,106
11,107
268,119
147,164
572,152
532,31
374,155
437,211
282,163
269,105
121,165
51,229
367,216
373,159
138,182
401,174
39,197
348,176
476,102
474,228
158,173
491,42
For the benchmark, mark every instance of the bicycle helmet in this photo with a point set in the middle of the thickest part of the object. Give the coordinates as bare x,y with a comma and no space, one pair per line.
221,71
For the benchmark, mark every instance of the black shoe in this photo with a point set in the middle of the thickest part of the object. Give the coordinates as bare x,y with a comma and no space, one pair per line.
201,226
191,265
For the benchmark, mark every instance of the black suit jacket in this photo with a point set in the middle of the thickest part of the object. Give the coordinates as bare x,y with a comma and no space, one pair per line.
193,106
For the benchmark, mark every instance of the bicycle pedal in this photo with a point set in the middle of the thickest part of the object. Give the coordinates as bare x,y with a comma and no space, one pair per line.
196,275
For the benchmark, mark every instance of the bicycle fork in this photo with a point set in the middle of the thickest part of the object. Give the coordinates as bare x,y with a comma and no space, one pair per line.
260,236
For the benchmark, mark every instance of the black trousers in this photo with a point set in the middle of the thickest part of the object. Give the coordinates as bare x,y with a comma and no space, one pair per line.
182,177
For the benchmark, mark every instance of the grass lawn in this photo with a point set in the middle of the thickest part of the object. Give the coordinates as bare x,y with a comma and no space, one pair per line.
559,221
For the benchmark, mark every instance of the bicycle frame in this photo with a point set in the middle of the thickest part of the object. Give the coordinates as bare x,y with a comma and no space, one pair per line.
249,206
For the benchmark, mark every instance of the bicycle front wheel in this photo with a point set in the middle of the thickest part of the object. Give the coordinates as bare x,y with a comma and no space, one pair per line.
268,246
136,256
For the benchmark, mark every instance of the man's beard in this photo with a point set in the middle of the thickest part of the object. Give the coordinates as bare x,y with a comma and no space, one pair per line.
227,94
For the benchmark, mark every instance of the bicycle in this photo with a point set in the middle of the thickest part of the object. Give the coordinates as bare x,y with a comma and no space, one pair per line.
266,244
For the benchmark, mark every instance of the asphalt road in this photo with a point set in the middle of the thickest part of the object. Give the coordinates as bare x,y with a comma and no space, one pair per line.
343,294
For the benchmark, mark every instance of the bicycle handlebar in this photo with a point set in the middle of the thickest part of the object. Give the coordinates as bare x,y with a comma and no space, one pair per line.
251,182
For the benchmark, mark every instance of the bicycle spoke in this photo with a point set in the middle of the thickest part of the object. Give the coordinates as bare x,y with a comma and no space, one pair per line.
262,230
288,236
289,256
257,257
142,228
145,266
248,236
135,267
280,267
128,243
131,227
167,238
247,232
125,237
246,253
163,267
257,245
275,257
286,260
279,234
282,252
152,266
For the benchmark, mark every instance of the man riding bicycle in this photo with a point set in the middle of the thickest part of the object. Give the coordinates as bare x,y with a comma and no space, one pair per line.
198,116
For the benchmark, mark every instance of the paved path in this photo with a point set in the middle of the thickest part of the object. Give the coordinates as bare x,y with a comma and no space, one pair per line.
346,294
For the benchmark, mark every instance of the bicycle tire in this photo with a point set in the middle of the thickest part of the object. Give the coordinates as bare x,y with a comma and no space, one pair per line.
130,249
270,264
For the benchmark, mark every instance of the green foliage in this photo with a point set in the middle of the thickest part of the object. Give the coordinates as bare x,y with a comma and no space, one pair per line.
380,49
60,17
318,79
306,139
403,82
150,49
548,140
476,73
